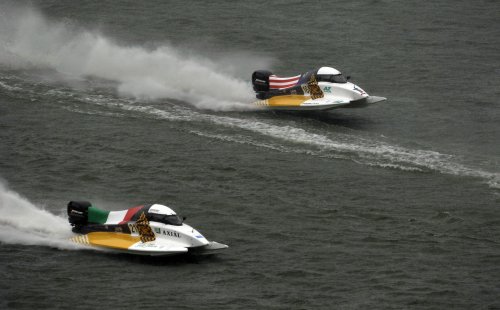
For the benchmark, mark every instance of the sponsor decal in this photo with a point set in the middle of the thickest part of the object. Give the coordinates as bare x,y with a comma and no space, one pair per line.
170,233
144,229
262,102
312,88
327,89
118,229
83,239
132,228
362,92
160,231
146,245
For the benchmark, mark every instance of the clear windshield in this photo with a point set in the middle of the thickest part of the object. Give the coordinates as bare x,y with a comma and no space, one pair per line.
337,78
166,219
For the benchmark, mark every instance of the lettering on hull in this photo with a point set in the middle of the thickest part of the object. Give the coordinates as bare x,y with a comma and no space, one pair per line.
165,232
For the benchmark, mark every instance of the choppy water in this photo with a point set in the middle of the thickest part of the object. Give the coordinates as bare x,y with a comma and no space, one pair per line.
394,206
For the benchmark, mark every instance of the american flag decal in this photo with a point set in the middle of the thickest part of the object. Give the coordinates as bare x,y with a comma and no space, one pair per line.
283,82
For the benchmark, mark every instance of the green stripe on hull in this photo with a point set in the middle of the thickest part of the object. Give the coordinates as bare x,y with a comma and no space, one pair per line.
97,216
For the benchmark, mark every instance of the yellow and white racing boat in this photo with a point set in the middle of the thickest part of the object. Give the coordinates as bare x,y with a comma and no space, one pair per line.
154,230
322,89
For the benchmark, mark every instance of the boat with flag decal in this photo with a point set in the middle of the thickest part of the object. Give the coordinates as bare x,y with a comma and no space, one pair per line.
154,230
320,89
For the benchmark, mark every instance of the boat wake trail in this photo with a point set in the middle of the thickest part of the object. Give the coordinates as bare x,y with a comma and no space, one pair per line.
367,151
362,150
21,222
29,40
277,134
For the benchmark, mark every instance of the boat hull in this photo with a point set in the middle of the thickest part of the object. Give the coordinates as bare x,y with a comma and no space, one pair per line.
125,243
306,103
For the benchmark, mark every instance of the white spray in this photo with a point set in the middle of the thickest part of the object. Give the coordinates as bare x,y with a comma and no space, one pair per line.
21,222
27,39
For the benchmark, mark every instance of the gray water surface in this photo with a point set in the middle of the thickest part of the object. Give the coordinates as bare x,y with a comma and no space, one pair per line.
394,206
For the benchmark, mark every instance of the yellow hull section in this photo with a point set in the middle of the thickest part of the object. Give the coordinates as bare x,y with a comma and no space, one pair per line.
284,101
107,240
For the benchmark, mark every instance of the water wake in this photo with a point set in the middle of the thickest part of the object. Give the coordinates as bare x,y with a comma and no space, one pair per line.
287,137
21,222
29,40
359,149
334,145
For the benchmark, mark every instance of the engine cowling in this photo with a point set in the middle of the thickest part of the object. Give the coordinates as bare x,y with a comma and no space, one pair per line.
260,80
78,212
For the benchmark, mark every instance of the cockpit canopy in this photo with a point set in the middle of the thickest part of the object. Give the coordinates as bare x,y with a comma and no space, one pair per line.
165,219
331,75
339,78
163,214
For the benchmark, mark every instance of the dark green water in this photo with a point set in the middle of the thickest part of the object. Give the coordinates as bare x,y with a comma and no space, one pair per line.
394,206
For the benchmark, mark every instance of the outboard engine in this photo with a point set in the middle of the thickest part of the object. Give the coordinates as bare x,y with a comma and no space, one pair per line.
78,212
260,80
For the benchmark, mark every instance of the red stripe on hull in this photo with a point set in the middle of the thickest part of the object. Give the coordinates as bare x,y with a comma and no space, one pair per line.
283,82
281,85
130,213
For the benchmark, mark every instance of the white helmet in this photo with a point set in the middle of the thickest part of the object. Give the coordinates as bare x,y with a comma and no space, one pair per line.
161,209
328,71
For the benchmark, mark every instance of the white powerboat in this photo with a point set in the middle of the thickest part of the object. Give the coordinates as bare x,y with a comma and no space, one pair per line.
154,230
322,89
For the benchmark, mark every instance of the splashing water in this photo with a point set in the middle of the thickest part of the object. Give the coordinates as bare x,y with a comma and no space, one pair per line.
21,222
28,40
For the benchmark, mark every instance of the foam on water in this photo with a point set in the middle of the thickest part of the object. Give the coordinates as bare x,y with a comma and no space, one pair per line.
22,222
29,40
335,145
370,152
9,87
